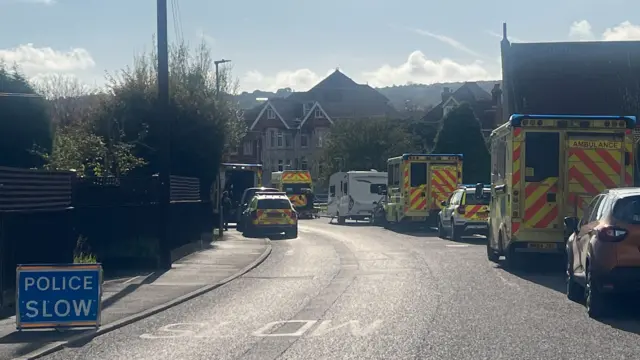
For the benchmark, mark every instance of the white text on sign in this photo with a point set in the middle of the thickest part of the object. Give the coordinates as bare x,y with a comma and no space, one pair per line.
313,328
59,308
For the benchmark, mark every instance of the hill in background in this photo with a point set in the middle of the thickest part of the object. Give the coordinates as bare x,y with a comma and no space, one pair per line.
419,95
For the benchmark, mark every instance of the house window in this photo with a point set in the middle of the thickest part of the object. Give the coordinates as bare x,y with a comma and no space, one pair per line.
303,163
280,136
319,114
288,162
280,165
272,134
270,113
287,140
304,140
320,169
247,148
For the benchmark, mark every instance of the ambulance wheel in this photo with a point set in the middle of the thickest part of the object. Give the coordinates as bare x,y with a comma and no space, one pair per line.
456,232
442,234
491,254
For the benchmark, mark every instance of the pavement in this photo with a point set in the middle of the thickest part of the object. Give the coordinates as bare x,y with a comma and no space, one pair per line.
128,299
360,292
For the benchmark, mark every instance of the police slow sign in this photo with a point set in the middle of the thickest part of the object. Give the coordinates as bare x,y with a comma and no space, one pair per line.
53,296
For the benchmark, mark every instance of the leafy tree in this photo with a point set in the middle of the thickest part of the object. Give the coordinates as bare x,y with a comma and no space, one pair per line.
202,127
24,121
461,134
364,144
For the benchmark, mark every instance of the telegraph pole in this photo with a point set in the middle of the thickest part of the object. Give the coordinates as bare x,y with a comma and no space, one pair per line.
165,147
218,97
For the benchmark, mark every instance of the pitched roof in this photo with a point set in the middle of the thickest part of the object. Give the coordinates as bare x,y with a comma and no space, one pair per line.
469,92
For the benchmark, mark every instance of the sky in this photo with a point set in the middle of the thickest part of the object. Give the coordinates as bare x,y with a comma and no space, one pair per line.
295,43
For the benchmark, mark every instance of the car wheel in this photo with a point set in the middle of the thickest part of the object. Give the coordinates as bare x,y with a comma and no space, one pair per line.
456,234
574,291
594,298
442,234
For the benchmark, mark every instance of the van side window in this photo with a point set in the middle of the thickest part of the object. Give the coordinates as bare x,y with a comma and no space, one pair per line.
346,188
332,190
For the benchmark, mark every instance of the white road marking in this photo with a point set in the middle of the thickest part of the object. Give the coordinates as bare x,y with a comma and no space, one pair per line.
201,330
130,280
457,245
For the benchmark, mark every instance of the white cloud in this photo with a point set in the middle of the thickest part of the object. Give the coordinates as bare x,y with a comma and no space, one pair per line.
624,31
417,69
33,60
299,80
581,30
449,41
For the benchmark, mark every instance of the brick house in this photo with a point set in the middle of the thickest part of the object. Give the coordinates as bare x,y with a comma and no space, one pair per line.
291,132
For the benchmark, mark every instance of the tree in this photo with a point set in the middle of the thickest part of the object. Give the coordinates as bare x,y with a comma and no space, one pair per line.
73,108
461,133
364,144
24,122
201,126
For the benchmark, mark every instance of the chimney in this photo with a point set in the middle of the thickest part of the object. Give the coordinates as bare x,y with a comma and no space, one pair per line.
496,95
446,93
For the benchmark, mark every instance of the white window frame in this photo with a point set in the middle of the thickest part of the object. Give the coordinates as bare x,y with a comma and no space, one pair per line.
280,139
318,113
288,163
272,138
280,165
270,113
306,137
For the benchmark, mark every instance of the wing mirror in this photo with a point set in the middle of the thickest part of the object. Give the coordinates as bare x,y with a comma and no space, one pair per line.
571,224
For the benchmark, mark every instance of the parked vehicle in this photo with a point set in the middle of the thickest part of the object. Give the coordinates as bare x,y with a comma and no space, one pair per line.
465,213
602,251
546,167
244,202
354,194
270,213
233,178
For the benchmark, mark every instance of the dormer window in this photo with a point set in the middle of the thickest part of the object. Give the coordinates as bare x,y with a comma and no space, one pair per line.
318,113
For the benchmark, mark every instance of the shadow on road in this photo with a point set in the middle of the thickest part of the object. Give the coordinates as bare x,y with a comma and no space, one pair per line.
542,270
34,339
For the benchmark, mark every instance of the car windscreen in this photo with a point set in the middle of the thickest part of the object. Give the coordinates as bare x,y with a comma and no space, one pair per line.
274,204
471,198
627,210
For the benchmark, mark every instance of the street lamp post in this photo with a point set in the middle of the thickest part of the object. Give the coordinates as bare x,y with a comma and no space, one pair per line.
218,97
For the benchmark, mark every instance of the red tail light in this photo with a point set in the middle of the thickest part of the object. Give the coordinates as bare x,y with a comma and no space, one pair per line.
611,234
460,209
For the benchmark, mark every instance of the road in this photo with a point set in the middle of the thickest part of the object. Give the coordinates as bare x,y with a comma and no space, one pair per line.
360,292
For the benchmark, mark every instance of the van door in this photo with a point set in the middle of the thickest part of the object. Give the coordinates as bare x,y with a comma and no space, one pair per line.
541,180
417,188
444,181
595,162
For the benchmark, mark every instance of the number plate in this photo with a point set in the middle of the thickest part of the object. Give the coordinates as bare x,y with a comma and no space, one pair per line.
542,246
483,215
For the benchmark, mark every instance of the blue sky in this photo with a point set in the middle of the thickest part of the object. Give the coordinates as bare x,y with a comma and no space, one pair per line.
295,43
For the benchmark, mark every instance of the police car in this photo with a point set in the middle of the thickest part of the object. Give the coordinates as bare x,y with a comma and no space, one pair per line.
465,213
270,213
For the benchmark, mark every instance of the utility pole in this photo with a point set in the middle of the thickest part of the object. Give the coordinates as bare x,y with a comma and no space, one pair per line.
165,148
218,97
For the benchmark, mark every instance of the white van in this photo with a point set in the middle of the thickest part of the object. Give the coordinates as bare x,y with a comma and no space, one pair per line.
353,194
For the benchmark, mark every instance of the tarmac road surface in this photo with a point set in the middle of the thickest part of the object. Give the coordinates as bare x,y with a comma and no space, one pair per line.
362,292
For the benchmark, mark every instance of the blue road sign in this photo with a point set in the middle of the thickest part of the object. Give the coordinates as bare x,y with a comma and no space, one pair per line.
54,296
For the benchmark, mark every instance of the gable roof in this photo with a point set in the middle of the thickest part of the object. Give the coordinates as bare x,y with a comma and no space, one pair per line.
315,106
268,105
469,92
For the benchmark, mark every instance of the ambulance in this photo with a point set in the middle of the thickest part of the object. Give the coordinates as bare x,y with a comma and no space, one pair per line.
417,185
298,186
546,168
